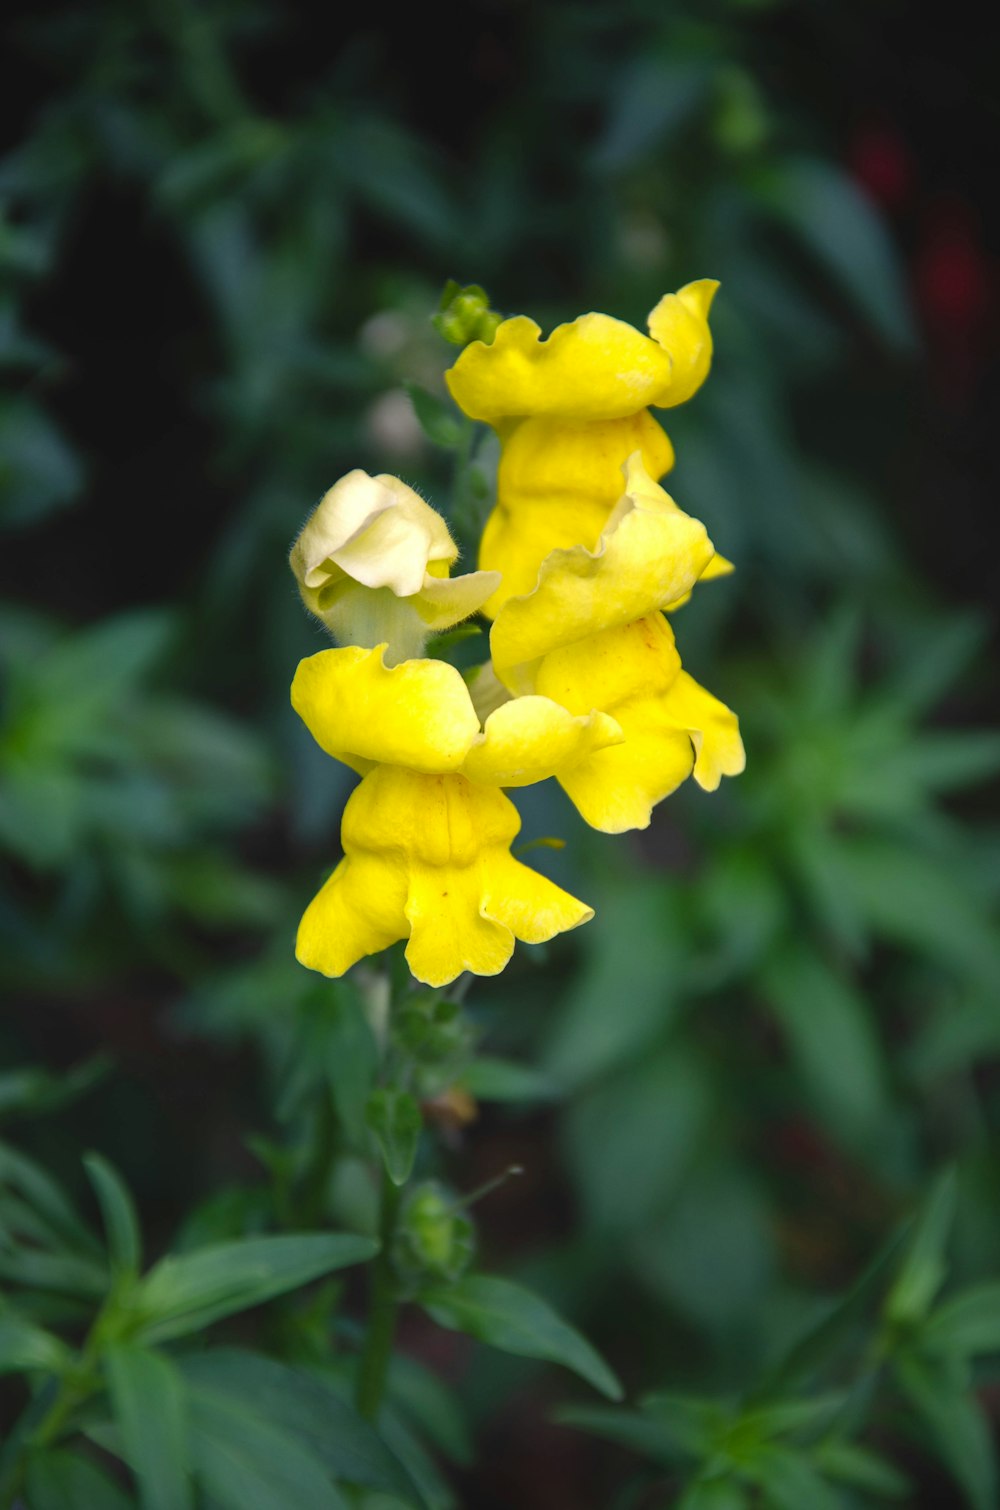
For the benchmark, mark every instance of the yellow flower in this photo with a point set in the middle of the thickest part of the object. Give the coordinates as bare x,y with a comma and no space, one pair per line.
672,727
372,563
427,832
649,556
426,857
420,715
591,637
568,411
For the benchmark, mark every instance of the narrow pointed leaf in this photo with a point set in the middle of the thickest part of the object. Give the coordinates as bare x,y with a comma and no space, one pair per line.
516,1321
186,1293
120,1221
150,1407
394,1118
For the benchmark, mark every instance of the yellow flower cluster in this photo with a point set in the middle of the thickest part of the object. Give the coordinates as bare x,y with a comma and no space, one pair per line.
585,683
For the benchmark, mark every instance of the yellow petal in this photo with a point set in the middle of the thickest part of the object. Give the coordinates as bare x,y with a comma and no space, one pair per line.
717,567
428,857
593,368
448,933
358,911
680,324
557,483
712,728
650,554
628,672
530,905
531,738
444,601
417,714
374,530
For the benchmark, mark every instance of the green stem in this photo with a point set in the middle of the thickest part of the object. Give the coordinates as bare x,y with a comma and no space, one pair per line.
382,1313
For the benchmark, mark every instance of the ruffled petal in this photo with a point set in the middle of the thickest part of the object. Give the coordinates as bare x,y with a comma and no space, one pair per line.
616,790
374,530
557,483
530,905
428,857
593,368
680,324
650,554
358,911
713,729
448,933
531,738
628,672
444,601
417,714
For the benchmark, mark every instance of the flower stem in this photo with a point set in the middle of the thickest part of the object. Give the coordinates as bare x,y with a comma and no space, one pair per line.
382,1313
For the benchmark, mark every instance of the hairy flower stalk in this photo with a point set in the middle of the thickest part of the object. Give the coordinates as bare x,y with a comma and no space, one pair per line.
581,559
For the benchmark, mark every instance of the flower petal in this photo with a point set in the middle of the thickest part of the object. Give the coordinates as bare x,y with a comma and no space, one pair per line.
444,601
534,908
417,714
713,729
680,324
628,672
448,933
375,530
530,738
557,483
358,911
650,554
595,367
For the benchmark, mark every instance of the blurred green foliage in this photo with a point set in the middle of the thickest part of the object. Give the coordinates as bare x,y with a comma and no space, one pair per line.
743,1078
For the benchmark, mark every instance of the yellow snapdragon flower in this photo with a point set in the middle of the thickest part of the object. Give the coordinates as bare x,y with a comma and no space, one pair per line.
428,858
372,563
427,833
569,410
592,635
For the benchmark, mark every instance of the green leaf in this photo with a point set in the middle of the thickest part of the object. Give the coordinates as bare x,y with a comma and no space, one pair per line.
789,1480
244,1462
350,1055
25,1347
23,1174
422,1397
40,472
957,1428
923,1270
634,961
186,1293
516,1321
653,99
120,1220
150,1407
437,417
62,1272
968,1325
831,1035
821,1343
59,1480
714,1494
641,1434
33,1089
394,1117
490,1079
832,217
859,1466
305,1405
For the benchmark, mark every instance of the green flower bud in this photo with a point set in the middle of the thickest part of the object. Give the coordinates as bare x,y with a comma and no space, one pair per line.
432,1030
464,315
435,1239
